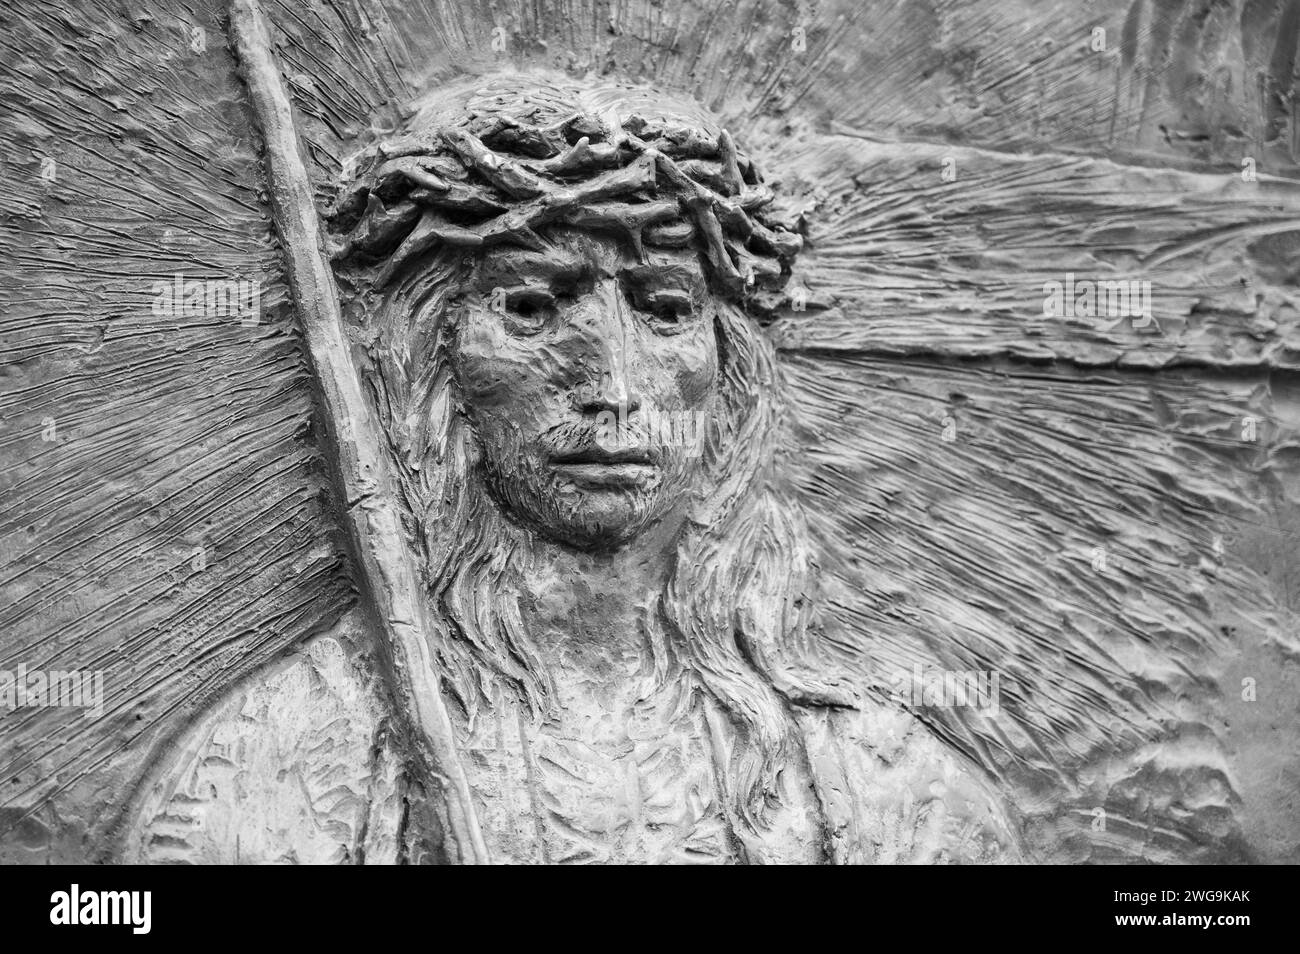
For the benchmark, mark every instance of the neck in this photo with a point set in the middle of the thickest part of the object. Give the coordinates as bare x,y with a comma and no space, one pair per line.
593,610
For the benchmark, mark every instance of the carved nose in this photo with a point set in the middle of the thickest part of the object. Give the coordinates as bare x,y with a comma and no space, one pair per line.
611,389
611,393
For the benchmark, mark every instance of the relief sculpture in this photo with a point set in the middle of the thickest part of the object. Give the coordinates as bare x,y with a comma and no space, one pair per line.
687,473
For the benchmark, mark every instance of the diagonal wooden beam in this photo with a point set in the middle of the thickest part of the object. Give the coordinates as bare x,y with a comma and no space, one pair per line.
361,468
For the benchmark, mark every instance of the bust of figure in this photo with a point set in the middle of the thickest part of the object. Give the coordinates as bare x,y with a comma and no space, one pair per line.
557,290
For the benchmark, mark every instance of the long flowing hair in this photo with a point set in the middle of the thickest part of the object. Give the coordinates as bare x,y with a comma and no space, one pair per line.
500,159
736,612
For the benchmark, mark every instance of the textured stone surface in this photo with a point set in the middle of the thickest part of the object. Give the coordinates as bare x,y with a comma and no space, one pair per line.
165,512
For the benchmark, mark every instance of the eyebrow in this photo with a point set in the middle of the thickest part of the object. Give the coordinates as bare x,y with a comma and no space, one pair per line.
687,273
550,264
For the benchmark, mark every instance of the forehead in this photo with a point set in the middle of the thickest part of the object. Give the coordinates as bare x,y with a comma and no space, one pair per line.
583,251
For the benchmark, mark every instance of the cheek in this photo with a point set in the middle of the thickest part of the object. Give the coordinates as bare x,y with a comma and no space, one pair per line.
504,385
498,375
687,369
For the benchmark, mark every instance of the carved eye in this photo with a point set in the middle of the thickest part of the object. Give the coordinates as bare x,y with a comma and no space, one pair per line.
663,294
668,308
528,310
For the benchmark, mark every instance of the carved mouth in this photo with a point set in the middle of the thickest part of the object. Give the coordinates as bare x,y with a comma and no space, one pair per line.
600,455
596,466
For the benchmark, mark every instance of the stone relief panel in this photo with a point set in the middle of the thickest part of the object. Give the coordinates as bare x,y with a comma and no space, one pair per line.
650,433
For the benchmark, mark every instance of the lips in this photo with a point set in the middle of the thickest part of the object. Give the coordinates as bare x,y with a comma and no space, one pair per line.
597,466
600,455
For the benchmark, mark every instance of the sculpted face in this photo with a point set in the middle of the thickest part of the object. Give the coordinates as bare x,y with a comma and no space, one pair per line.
589,377
583,346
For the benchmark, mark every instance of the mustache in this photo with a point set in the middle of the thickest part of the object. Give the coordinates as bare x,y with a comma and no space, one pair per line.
577,441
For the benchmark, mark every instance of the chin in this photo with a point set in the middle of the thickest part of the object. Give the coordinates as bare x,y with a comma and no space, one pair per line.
599,527
593,518
582,517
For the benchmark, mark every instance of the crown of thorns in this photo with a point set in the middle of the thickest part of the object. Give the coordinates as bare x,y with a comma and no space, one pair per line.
496,180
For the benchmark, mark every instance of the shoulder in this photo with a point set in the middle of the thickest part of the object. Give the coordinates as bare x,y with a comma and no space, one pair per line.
285,769
893,793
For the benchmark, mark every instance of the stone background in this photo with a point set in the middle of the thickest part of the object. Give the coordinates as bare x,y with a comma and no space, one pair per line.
164,516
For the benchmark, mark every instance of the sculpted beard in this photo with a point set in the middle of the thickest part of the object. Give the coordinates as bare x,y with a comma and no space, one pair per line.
517,475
